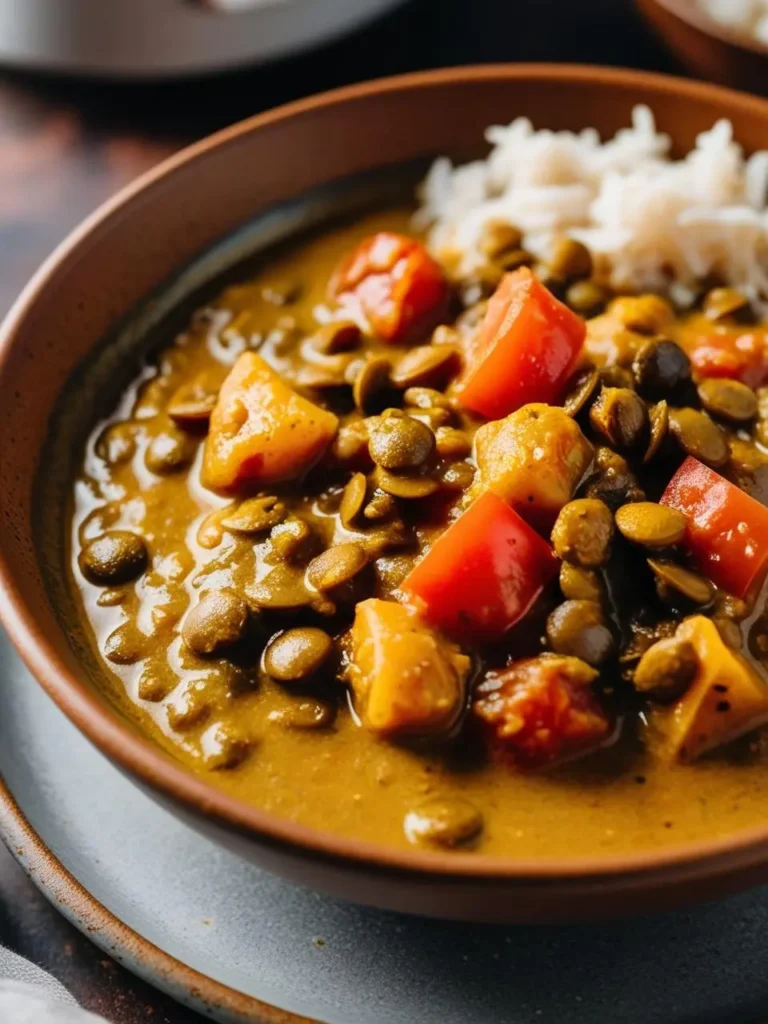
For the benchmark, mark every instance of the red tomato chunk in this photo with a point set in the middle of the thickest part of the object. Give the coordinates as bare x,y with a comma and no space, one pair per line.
392,283
524,350
542,710
727,533
741,357
483,574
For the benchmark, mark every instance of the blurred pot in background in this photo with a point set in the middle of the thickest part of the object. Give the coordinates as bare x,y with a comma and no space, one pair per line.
148,38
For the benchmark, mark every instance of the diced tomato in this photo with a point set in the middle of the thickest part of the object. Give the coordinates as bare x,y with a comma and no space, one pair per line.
483,574
741,357
524,350
727,532
392,283
542,710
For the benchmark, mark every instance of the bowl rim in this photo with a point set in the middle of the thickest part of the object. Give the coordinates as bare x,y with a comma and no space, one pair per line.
692,14
145,760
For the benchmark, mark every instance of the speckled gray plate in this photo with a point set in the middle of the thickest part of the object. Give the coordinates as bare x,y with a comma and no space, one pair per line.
243,946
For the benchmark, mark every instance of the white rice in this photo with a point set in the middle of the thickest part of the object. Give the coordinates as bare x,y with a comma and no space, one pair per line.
749,17
651,223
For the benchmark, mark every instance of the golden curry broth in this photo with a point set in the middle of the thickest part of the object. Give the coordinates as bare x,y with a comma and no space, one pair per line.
342,779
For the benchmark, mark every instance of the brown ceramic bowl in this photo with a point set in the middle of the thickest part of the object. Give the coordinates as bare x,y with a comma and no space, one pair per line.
707,49
121,255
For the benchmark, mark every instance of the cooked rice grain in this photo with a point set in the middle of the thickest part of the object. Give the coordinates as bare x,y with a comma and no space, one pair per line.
651,222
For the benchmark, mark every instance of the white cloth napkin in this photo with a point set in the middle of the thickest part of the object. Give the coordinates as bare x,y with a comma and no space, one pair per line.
29,995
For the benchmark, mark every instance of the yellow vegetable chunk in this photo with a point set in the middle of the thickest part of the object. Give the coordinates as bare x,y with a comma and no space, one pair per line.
726,699
617,335
648,314
262,431
405,678
534,459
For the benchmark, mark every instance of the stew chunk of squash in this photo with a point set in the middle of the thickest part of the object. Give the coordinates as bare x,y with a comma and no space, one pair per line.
406,679
726,699
534,459
262,431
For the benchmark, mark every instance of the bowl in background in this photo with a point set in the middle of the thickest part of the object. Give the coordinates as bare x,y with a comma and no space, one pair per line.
132,247
159,38
706,48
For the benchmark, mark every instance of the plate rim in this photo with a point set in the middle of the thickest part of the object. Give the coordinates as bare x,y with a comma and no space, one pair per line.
118,940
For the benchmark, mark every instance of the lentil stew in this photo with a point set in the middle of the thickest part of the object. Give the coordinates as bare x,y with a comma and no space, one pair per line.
435,560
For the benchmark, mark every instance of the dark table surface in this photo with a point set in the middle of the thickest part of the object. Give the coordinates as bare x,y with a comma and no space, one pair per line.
66,145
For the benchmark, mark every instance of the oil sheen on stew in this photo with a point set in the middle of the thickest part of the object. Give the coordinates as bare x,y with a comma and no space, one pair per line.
466,564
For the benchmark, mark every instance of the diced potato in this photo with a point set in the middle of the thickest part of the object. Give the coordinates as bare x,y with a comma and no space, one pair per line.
608,343
748,468
617,335
726,699
648,314
534,459
261,430
406,679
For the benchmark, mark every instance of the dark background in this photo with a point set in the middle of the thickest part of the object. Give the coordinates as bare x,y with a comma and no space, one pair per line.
66,145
